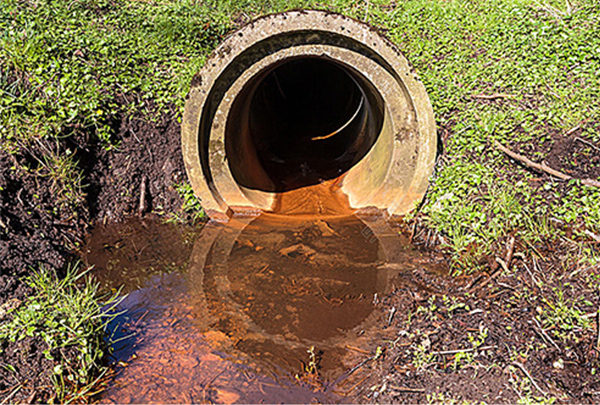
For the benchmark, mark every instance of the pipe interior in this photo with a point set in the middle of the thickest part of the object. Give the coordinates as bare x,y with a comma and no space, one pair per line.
301,122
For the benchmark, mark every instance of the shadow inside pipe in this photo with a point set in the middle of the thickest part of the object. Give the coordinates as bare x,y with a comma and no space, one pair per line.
301,122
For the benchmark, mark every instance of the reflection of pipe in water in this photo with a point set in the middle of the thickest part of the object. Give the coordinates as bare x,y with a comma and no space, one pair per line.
277,285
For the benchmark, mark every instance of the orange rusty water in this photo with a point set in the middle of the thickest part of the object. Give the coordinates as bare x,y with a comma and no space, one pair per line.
230,313
322,199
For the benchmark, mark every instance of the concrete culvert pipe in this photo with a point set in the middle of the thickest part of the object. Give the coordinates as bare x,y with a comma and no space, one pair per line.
305,98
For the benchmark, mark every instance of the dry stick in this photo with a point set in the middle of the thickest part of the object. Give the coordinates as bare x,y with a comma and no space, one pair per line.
572,130
359,365
406,389
580,270
522,368
412,233
392,312
592,235
140,318
530,273
12,394
356,385
545,335
480,349
356,349
502,263
543,167
510,251
598,330
142,207
586,142
485,282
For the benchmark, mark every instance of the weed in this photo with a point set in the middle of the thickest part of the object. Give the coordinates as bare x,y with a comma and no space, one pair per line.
452,304
66,313
422,357
311,366
310,370
430,310
563,316
462,359
191,206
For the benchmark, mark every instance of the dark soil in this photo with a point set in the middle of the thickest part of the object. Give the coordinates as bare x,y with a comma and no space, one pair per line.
568,153
504,308
33,232
575,156
33,369
148,152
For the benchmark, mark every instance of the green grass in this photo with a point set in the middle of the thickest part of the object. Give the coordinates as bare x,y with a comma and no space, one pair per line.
68,315
546,61
191,210
564,316
69,67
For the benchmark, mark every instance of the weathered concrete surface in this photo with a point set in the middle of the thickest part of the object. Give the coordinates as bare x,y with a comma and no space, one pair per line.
391,170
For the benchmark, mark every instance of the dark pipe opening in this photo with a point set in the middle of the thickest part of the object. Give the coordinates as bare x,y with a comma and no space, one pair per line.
301,122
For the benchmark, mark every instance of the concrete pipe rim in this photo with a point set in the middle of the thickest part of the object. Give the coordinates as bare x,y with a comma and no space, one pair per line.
389,170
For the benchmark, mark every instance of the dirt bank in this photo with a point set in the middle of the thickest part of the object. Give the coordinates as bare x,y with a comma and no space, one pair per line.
38,230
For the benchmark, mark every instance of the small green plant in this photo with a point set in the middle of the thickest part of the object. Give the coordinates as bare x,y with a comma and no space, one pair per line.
462,359
563,316
422,355
191,206
453,304
430,310
66,180
312,365
68,315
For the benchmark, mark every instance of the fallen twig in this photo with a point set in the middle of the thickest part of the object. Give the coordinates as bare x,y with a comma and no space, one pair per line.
356,349
502,263
13,393
474,286
530,273
362,363
592,235
572,130
545,335
142,207
598,330
580,270
522,368
356,385
588,143
469,350
543,167
510,250
392,312
406,389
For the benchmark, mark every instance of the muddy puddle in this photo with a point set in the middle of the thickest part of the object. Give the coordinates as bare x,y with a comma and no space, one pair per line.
269,309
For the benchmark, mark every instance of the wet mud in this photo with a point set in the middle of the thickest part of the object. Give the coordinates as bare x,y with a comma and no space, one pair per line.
274,308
